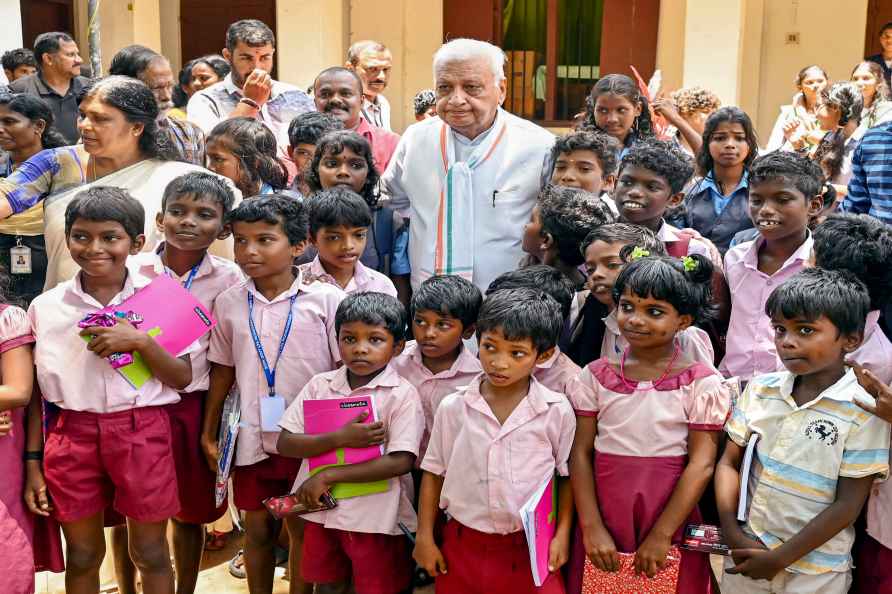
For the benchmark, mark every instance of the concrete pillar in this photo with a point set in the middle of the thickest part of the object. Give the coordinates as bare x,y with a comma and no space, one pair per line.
312,35
712,46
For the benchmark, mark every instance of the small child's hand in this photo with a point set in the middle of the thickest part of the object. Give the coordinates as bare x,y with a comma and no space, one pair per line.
558,551
651,555
312,489
757,564
120,338
881,392
357,434
211,453
600,549
429,557
790,127
36,498
5,423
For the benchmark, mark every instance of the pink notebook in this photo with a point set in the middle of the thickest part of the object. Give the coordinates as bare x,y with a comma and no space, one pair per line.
330,414
539,518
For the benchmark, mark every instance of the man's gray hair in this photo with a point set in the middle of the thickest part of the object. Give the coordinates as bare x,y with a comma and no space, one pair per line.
366,45
462,50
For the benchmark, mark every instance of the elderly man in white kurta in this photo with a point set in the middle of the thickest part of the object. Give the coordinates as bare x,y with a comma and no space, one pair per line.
467,179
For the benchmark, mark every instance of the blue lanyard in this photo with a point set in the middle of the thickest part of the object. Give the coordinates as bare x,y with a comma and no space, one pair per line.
269,373
187,284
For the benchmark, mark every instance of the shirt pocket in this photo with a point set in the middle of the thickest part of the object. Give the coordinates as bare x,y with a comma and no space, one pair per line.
307,340
531,458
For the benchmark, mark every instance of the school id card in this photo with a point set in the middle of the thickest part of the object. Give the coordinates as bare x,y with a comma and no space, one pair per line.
271,410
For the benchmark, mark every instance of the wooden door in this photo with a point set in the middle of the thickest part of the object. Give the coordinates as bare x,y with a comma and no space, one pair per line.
203,23
879,12
629,36
474,19
43,16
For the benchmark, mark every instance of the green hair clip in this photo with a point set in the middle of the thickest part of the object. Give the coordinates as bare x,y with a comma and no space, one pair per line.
638,253
689,264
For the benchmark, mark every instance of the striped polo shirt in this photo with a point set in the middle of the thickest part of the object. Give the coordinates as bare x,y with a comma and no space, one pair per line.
870,188
801,452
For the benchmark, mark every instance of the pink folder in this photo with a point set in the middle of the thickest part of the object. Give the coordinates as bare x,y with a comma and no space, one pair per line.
168,307
539,518
330,414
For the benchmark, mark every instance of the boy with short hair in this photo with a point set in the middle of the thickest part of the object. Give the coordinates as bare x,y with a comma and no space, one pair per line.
304,133
339,229
493,444
111,444
586,159
651,180
194,208
274,333
785,191
18,63
442,314
361,538
560,220
818,453
862,245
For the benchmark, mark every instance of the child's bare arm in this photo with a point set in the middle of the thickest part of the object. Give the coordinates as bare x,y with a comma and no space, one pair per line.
851,493
388,466
599,545
426,552
124,338
222,378
36,498
559,551
727,495
355,434
17,371
702,451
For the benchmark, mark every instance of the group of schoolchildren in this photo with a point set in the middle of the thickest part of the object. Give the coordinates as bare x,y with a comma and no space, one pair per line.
611,358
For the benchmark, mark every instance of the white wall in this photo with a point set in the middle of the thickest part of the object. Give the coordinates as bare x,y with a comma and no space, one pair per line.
311,35
10,29
831,34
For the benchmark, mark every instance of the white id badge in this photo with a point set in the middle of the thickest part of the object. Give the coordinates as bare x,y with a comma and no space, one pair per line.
271,410
20,259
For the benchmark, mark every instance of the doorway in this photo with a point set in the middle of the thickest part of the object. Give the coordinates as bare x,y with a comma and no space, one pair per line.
41,16
879,12
203,23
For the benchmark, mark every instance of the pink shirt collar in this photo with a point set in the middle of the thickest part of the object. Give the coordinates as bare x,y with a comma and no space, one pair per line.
360,275
802,253
340,385
465,362
535,403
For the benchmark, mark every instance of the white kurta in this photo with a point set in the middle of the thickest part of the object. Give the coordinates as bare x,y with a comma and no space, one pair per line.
505,190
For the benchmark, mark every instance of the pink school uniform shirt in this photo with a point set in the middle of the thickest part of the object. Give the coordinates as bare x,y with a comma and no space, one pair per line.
646,421
396,404
875,353
750,345
311,348
491,469
214,275
433,388
364,278
71,376
694,343
559,374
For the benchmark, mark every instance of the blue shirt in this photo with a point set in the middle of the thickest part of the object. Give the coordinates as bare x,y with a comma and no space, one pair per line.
870,189
719,200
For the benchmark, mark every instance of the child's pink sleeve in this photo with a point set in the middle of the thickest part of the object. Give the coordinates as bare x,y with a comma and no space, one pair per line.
442,439
405,422
565,440
293,419
220,348
707,404
15,328
583,396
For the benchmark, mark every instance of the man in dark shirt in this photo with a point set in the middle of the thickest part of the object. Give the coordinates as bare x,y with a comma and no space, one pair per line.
58,80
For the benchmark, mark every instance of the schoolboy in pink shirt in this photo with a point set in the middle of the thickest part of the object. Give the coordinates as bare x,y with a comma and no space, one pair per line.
193,213
340,223
361,538
493,444
443,313
111,444
274,333
862,246
785,191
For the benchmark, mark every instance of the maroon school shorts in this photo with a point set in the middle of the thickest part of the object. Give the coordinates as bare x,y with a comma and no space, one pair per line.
481,563
268,478
195,480
122,459
379,563
873,573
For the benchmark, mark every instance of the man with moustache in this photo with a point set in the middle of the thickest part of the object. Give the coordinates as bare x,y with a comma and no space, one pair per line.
338,91
249,90
372,61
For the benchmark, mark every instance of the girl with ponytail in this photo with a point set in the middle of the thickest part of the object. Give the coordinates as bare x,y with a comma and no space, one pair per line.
616,107
648,429
244,150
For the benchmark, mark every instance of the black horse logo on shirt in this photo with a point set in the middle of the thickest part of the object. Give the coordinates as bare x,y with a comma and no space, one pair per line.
822,430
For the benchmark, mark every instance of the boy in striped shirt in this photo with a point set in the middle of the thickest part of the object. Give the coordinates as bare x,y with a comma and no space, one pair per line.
818,452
